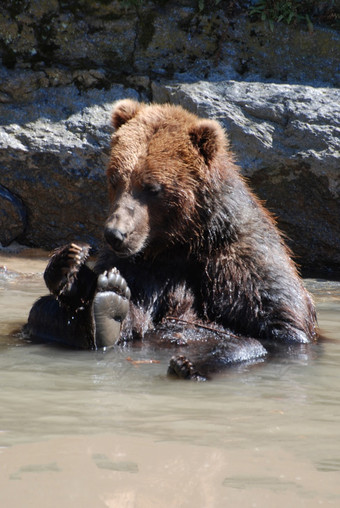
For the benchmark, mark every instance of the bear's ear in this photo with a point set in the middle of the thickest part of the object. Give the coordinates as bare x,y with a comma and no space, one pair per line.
208,137
123,111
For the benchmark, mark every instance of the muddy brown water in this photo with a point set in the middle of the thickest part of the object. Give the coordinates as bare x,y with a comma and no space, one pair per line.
94,429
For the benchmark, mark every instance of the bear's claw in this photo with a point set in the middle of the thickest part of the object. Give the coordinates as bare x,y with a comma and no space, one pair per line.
63,267
77,254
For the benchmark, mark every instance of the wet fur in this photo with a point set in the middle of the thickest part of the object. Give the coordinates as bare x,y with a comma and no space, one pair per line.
206,231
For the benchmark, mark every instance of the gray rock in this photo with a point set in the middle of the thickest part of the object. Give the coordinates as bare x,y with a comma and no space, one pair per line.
286,139
53,156
12,217
162,39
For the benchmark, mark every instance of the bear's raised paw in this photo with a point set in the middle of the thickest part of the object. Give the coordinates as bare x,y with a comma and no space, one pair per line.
63,268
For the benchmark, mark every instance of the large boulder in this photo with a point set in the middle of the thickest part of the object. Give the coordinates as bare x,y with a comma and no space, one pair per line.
286,139
53,156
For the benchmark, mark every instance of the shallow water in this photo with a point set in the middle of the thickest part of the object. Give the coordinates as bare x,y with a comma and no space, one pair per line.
93,429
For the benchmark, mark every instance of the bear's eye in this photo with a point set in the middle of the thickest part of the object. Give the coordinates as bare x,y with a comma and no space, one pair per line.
154,189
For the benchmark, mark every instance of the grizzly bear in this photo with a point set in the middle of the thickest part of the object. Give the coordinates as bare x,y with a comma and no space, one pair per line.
193,262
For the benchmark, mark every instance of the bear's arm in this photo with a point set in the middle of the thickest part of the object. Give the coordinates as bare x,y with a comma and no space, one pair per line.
266,301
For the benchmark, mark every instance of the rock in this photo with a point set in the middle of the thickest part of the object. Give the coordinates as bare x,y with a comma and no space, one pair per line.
19,86
53,156
79,36
286,139
285,55
12,217
174,38
163,39
61,60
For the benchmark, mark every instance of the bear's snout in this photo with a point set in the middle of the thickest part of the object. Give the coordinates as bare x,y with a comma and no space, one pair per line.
127,229
114,237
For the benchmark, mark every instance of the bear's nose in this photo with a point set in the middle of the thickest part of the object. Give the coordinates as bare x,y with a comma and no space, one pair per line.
114,237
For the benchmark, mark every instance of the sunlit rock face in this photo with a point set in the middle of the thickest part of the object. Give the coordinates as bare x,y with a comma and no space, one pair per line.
53,157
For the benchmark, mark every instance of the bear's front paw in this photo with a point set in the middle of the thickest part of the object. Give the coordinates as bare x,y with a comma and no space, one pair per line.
63,267
110,306
182,367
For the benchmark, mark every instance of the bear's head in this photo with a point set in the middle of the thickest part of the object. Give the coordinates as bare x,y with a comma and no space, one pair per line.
163,173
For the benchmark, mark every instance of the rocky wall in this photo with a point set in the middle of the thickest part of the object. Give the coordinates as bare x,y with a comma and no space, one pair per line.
65,63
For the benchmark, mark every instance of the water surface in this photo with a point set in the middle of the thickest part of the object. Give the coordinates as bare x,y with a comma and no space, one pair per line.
94,429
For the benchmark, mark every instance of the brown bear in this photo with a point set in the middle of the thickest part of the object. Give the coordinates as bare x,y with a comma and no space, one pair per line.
206,268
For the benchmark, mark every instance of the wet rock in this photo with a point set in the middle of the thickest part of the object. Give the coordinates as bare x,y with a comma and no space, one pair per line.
286,139
12,217
53,156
